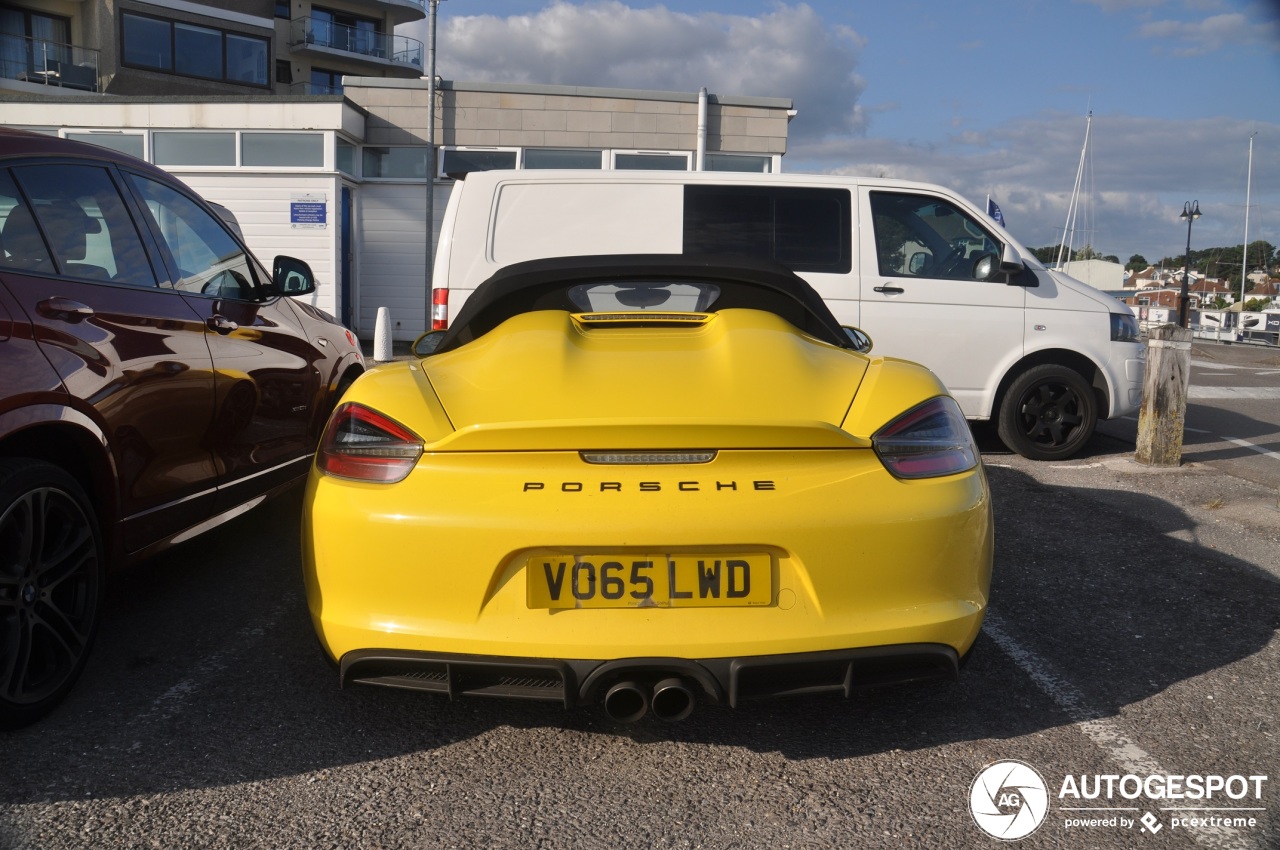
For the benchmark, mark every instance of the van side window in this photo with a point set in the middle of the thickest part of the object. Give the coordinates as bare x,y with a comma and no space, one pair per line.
806,230
209,260
85,223
926,236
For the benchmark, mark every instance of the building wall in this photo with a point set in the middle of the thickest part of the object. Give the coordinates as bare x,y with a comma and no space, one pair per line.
568,117
261,203
392,250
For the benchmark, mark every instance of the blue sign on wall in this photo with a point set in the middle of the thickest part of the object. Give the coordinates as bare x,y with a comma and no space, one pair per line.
308,211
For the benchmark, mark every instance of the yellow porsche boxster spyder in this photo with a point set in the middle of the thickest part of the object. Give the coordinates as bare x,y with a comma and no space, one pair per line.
646,482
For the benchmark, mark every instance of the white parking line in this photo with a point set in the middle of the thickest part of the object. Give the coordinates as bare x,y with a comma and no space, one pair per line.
1195,392
1107,733
174,701
1248,445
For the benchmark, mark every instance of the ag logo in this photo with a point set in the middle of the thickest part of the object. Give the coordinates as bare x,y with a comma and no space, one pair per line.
1008,800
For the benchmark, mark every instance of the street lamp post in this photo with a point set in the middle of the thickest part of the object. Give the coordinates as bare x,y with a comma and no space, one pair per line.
1190,212
430,216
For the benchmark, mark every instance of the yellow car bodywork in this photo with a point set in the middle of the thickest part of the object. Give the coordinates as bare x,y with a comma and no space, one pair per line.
449,561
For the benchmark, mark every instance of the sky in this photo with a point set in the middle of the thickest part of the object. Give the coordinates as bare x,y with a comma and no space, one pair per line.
989,97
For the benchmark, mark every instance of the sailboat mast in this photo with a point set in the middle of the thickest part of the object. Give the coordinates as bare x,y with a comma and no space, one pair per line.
1244,254
1069,227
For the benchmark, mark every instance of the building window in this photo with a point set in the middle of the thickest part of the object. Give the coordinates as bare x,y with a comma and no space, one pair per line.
282,150
651,161
324,81
183,148
465,160
284,71
282,9
246,59
146,43
32,44
175,47
131,143
346,32
735,162
562,158
396,163
345,157
197,51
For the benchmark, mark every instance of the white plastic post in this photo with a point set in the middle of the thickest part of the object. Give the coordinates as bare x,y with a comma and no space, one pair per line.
382,336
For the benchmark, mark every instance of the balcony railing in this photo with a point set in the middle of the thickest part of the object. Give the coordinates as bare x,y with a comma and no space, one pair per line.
398,49
314,88
50,63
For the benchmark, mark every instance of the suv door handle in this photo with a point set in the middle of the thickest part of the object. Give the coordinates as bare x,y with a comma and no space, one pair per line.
220,324
890,290
65,309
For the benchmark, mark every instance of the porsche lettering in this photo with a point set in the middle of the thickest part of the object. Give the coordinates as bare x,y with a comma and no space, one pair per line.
648,486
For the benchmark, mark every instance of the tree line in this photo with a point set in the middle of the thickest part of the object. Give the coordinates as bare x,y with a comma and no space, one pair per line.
1223,263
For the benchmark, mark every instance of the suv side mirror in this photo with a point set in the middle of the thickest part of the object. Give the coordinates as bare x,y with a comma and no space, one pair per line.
291,276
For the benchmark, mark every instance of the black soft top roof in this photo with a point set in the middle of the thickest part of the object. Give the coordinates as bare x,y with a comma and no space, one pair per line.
544,285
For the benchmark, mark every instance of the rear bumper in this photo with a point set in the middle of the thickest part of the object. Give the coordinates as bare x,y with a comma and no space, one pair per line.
585,682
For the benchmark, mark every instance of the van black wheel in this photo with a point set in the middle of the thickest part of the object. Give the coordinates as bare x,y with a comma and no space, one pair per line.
51,568
1049,413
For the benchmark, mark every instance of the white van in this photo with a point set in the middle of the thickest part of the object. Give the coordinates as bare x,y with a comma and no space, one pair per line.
928,275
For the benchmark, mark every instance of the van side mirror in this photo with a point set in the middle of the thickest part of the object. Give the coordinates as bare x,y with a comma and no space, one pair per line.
859,341
1011,260
291,276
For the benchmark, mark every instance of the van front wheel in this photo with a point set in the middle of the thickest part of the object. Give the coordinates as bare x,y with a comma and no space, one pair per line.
1049,413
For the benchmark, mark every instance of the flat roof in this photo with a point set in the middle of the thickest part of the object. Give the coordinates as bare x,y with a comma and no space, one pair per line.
570,91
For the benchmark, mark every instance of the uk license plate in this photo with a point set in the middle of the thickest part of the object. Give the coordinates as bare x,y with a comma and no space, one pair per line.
643,581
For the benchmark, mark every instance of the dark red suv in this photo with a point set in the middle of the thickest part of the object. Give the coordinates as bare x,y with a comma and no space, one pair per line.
155,380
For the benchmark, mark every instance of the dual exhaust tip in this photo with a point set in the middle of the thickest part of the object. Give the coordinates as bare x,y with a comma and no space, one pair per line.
670,699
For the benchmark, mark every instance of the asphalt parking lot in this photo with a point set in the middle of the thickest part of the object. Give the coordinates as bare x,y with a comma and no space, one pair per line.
1132,632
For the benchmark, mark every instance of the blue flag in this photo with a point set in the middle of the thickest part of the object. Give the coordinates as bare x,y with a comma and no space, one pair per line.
994,211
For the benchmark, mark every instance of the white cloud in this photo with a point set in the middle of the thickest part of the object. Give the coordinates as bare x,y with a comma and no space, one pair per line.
789,52
1196,38
1142,171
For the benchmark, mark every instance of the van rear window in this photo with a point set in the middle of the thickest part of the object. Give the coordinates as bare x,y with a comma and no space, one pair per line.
806,230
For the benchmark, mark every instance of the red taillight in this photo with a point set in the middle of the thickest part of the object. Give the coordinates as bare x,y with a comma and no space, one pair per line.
365,445
439,309
930,440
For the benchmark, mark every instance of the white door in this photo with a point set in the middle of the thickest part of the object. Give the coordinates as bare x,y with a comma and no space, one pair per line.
922,299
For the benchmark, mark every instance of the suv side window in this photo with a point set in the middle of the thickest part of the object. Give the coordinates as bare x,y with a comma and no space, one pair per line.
85,223
804,229
21,246
208,259
926,236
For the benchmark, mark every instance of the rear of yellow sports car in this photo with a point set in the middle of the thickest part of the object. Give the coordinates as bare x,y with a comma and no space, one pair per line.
586,508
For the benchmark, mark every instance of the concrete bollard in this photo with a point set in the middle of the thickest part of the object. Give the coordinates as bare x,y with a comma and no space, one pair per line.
382,336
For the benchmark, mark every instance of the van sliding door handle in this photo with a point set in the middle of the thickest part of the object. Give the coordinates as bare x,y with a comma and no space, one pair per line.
890,290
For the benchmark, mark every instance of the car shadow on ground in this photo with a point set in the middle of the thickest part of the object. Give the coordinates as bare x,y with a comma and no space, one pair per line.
207,672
